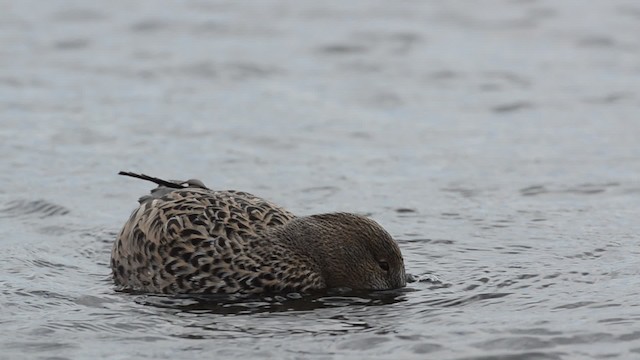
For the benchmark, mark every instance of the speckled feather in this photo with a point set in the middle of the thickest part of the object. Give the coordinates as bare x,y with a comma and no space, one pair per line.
186,238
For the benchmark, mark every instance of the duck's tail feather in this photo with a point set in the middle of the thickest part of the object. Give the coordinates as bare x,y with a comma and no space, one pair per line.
160,182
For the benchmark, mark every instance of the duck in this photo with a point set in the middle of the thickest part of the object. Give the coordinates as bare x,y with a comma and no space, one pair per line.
185,238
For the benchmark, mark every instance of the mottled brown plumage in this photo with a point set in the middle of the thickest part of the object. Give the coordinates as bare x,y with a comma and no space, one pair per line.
186,238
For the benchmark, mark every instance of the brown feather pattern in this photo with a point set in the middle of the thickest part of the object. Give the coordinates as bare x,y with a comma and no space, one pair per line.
190,239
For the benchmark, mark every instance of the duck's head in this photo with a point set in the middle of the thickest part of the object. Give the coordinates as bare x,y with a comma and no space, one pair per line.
351,250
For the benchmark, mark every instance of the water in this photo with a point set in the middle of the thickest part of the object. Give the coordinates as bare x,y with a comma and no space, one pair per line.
496,140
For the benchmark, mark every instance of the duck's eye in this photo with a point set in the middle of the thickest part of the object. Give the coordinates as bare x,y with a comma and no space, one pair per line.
383,265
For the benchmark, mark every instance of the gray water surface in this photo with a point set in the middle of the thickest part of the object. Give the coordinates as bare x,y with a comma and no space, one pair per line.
497,141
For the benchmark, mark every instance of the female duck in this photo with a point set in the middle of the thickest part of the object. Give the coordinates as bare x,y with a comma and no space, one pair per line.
186,238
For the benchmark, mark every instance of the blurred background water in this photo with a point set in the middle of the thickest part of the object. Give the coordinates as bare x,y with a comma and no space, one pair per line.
496,140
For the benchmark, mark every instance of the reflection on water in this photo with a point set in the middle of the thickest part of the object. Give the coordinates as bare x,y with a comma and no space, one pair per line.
496,142
238,304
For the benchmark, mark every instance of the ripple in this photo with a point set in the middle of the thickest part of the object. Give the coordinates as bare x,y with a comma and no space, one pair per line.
425,278
574,305
72,44
426,348
343,49
584,189
520,356
41,346
40,208
465,300
151,25
363,343
512,107
514,343
405,210
246,304
79,15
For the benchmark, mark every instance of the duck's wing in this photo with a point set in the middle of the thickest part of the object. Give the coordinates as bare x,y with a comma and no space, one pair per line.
172,225
154,246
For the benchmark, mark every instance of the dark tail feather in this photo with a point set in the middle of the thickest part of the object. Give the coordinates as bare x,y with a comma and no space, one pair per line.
156,180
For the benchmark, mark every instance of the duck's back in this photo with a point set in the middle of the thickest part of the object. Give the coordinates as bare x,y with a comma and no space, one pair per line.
186,241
